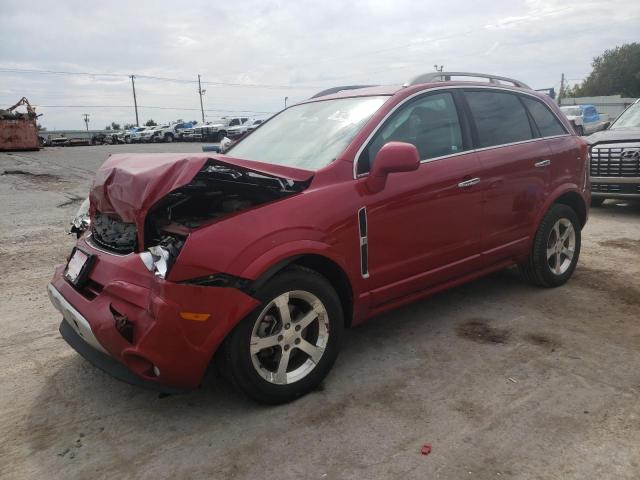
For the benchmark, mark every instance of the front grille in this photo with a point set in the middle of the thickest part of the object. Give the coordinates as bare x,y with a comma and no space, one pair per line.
626,188
113,234
615,161
606,187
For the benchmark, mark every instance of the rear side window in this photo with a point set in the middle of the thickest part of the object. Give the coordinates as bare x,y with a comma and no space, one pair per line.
429,122
500,118
547,123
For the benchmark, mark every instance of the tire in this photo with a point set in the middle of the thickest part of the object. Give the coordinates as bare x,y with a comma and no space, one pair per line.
168,138
257,371
127,140
597,201
549,265
221,135
579,130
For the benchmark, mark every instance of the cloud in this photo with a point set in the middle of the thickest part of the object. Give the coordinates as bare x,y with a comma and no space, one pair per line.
308,44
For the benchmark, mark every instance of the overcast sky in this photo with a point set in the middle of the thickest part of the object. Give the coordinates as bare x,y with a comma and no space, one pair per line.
289,48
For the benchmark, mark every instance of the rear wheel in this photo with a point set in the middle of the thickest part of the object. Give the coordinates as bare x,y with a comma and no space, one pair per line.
556,248
597,201
286,347
168,137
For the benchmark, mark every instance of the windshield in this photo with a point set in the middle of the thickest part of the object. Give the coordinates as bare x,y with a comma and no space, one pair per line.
571,111
629,118
310,135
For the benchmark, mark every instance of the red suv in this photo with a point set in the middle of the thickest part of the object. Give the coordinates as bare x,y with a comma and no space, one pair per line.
336,209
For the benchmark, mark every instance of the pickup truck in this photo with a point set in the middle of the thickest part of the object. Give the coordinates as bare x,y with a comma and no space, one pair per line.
615,158
239,130
213,131
585,119
172,132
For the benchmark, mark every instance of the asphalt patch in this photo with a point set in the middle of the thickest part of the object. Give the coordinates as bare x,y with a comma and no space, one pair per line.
542,340
608,282
628,244
478,330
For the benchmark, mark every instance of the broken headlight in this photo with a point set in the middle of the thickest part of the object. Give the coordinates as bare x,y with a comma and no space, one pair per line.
159,258
81,221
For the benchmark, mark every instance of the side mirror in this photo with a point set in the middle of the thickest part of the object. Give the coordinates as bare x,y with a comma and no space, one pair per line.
392,157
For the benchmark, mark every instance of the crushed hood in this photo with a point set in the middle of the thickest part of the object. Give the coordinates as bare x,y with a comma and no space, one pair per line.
128,185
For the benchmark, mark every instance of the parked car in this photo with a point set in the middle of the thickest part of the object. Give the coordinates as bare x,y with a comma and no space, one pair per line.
133,135
238,131
148,135
585,119
342,207
213,131
170,133
615,158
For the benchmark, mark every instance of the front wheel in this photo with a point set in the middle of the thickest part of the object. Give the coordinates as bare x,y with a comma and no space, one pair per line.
286,347
556,248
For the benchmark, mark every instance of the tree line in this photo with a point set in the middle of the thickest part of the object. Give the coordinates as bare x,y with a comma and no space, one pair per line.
615,72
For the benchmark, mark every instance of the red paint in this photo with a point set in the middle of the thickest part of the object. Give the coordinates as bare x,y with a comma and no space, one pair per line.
425,234
426,449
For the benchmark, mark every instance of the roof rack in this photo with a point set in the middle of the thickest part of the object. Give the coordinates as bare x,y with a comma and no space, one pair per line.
329,91
446,76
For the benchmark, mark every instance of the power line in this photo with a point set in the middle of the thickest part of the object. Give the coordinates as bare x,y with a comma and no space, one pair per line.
151,107
153,77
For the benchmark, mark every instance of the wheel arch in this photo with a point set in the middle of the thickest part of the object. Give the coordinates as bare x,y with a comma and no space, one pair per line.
576,202
326,267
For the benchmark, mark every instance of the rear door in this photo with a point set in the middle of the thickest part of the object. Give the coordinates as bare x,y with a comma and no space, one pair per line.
515,170
423,227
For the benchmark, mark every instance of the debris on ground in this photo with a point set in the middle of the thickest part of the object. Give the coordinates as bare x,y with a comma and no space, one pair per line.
426,449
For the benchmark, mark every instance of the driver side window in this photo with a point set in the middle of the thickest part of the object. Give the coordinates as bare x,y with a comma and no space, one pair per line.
429,122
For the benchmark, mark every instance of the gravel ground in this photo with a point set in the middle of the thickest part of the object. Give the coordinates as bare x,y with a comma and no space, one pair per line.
503,380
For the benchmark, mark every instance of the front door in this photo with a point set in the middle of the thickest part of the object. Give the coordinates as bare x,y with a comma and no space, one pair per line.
424,227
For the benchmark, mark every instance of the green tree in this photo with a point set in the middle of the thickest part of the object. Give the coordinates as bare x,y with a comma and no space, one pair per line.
150,123
108,127
115,126
615,72
127,126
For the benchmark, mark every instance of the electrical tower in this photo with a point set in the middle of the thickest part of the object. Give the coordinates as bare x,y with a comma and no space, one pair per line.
86,120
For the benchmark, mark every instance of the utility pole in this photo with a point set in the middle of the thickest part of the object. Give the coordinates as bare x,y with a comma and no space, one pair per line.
438,69
201,92
86,120
135,102
285,102
561,89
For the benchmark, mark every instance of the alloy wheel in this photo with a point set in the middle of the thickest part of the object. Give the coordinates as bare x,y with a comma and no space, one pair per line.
561,246
289,337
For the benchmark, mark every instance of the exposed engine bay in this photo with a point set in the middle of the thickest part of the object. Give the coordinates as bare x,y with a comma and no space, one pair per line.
216,191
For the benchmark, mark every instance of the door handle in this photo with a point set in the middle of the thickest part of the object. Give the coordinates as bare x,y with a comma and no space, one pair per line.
469,183
543,163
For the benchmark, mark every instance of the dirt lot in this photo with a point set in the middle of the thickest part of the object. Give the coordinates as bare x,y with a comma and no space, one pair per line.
504,380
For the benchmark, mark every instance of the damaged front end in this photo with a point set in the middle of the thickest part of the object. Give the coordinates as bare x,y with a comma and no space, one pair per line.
217,191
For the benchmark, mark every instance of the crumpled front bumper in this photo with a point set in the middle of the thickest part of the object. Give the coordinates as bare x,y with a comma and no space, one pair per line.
157,345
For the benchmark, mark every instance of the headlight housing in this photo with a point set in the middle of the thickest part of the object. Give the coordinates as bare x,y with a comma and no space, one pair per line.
159,258
81,221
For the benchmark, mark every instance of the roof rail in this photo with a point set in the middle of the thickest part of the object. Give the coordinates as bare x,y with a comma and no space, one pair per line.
446,76
329,91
